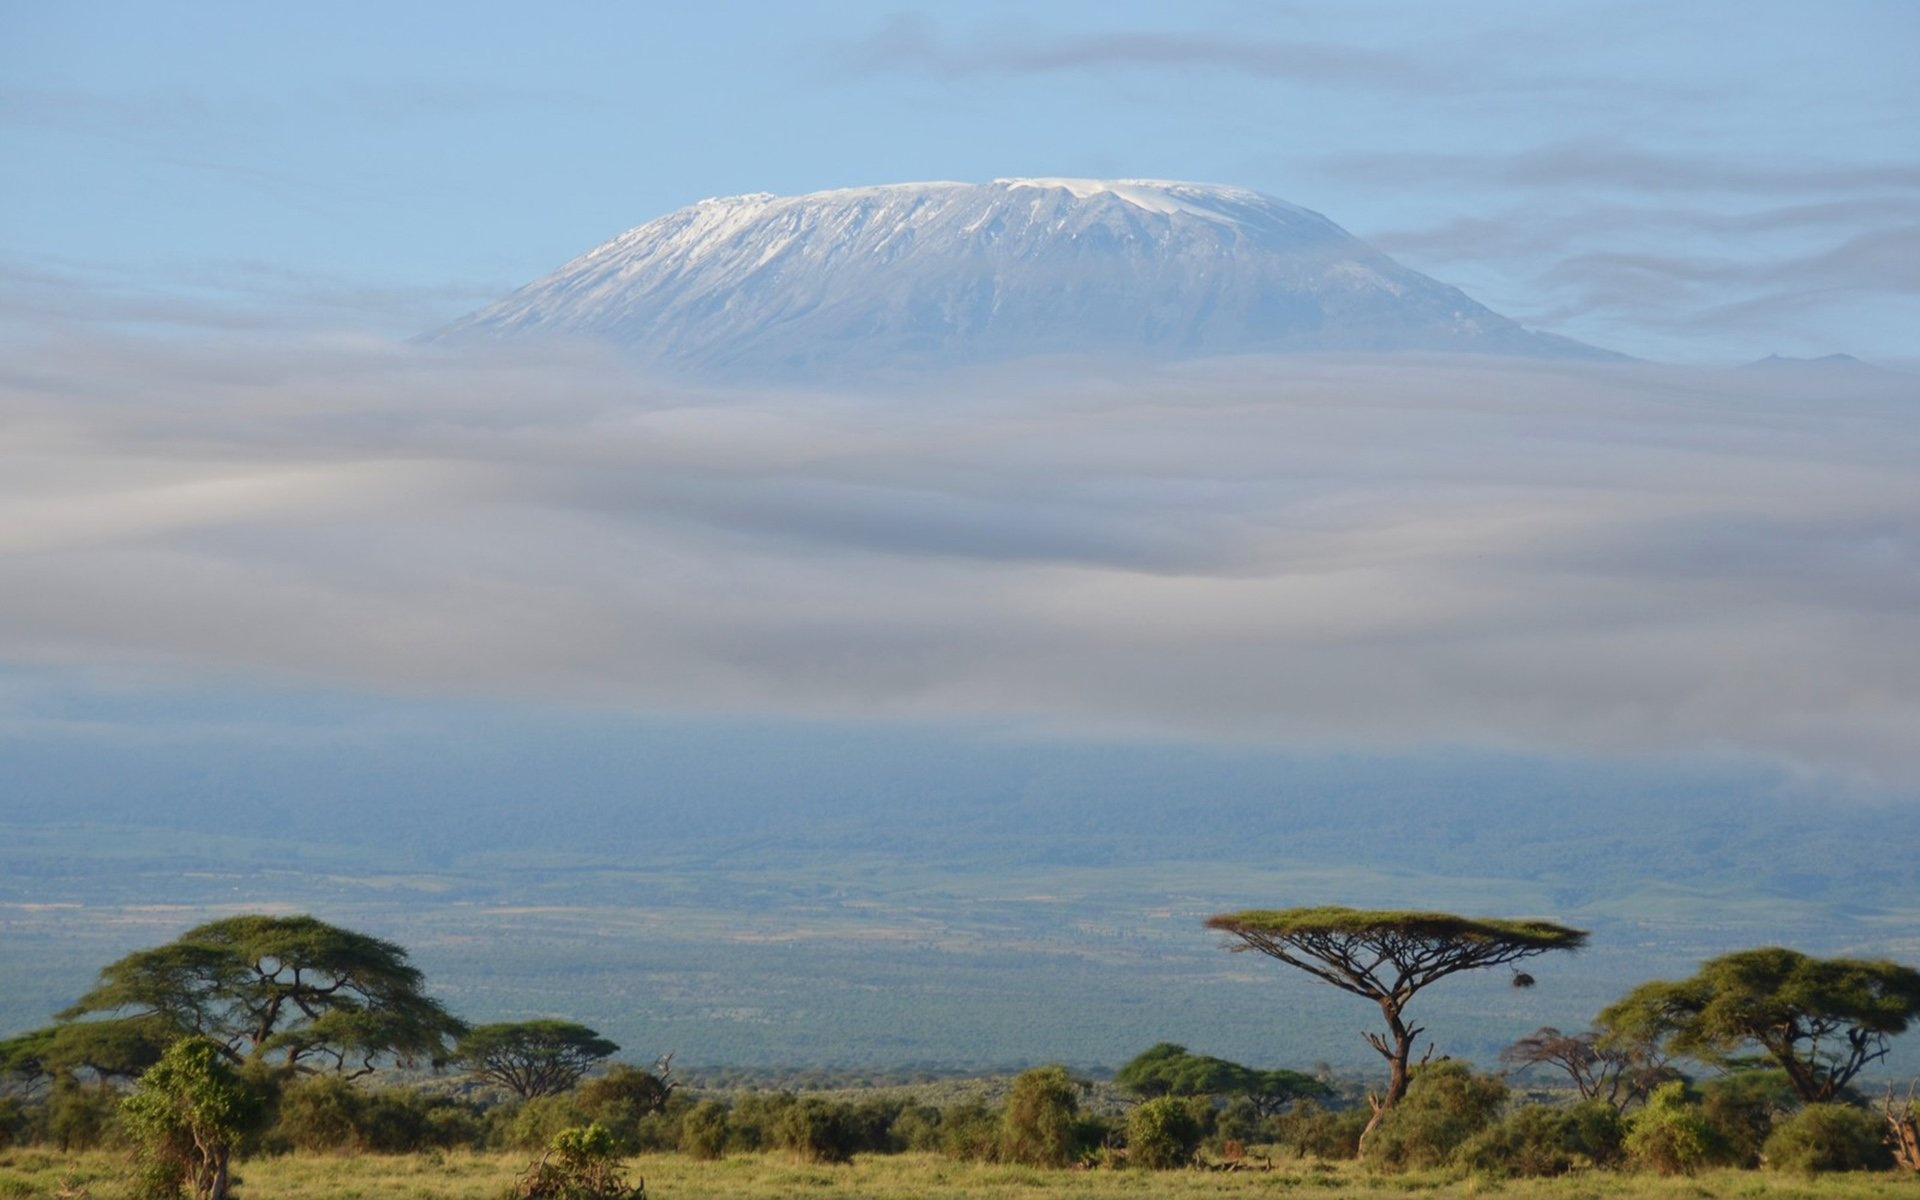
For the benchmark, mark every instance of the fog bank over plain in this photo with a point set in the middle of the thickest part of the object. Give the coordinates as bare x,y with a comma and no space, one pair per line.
1300,553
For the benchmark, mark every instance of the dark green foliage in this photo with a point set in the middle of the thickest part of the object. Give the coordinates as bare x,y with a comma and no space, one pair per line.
1829,1137
1169,1070
703,1131
293,990
581,1163
970,1132
1162,1133
1601,1132
15,1121
81,1117
1671,1134
633,1104
918,1128
817,1131
1741,1109
1822,1021
532,1058
1313,1131
1445,1105
318,1114
532,1125
751,1123
325,1113
1037,1126
1534,1141
186,1114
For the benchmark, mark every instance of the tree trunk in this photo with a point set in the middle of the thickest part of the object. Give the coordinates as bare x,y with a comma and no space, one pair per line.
1396,1053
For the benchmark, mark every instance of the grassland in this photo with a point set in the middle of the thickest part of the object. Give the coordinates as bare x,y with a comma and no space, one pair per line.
97,1176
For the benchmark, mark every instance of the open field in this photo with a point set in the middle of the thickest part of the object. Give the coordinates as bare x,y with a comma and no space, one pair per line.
29,1174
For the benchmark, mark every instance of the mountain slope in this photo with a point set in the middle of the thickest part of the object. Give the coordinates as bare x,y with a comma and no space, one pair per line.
941,274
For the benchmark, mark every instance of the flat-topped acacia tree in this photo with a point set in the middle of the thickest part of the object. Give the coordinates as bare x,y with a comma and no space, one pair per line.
1388,957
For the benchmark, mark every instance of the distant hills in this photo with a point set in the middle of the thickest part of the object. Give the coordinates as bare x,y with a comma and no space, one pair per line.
922,275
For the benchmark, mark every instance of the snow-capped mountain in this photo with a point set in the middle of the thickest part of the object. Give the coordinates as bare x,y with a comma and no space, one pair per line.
940,274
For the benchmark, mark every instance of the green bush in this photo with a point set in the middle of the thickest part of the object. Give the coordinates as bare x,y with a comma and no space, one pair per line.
750,1126
917,1128
15,1121
532,1125
1741,1109
1671,1134
82,1118
1533,1141
582,1163
1829,1137
1446,1104
1600,1132
970,1132
817,1131
1162,1133
318,1114
1309,1130
703,1131
1037,1126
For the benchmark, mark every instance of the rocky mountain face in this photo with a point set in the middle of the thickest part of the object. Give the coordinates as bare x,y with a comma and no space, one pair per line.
945,274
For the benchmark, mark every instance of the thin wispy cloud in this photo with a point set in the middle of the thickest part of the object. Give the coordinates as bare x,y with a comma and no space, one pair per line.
1295,552
1617,165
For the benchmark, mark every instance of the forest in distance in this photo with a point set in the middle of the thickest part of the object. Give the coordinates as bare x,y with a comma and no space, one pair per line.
256,1037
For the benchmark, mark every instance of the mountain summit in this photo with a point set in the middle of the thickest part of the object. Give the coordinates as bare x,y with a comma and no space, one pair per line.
943,274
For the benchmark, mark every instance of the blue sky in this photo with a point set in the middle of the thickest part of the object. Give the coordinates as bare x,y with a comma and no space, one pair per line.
1704,183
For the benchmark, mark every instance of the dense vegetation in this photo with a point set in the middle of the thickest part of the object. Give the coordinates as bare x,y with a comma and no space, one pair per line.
254,1038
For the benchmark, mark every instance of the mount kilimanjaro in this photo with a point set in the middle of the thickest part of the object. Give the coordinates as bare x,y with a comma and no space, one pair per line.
929,275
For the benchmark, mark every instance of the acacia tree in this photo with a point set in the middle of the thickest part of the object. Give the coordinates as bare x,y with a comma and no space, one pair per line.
532,1058
1602,1066
1388,957
1822,1021
293,991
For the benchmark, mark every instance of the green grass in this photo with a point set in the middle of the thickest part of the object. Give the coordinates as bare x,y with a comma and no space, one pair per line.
27,1174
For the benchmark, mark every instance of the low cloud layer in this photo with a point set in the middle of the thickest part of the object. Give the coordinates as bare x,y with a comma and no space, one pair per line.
1296,552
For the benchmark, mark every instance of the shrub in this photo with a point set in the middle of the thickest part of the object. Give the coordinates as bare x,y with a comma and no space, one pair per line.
1312,1131
751,1123
703,1131
582,1163
970,1132
917,1128
14,1121
817,1131
81,1118
1532,1141
1445,1105
1037,1127
1671,1135
186,1112
1829,1137
532,1125
322,1113
1600,1132
1162,1133
1741,1109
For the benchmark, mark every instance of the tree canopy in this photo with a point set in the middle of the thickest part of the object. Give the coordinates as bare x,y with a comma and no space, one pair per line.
532,1058
1167,1069
290,990
1388,956
1822,1021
